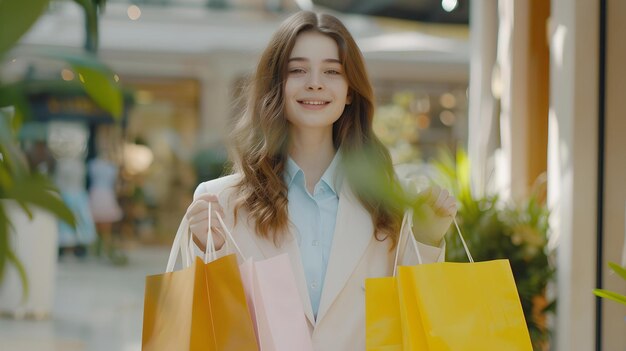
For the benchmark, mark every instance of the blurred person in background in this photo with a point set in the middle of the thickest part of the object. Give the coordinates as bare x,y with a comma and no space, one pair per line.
294,189
67,142
103,175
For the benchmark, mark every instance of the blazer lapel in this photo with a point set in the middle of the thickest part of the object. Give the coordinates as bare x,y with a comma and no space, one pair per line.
353,232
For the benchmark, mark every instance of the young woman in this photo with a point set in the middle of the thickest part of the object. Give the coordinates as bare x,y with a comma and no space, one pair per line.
304,156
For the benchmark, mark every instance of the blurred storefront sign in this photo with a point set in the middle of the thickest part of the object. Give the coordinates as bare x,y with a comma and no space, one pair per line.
69,106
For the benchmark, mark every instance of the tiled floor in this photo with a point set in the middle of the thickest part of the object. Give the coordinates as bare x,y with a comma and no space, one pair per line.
97,307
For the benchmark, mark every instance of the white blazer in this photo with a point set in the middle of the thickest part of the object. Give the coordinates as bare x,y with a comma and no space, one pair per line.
355,255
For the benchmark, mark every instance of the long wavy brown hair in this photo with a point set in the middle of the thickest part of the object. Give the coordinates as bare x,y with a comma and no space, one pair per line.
260,138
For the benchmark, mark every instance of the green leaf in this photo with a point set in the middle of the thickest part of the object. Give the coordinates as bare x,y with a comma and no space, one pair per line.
13,159
37,190
4,240
21,271
6,180
610,295
16,18
621,271
8,94
97,79
375,182
7,255
102,89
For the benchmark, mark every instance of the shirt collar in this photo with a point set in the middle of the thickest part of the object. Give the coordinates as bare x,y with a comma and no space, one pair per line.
332,176
291,170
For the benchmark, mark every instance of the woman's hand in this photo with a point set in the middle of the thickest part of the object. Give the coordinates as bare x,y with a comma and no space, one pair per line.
198,216
434,210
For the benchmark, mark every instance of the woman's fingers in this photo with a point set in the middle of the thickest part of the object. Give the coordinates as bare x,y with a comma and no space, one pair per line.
215,223
199,222
440,200
202,205
431,194
198,216
448,207
207,197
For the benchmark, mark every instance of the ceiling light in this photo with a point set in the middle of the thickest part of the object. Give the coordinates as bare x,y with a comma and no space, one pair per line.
449,5
134,12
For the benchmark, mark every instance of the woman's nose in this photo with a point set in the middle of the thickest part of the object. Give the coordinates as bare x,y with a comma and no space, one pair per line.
314,83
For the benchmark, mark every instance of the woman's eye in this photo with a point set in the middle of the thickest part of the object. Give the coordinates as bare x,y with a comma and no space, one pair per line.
296,70
333,72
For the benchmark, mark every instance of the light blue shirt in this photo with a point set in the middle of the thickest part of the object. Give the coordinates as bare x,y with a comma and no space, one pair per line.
314,217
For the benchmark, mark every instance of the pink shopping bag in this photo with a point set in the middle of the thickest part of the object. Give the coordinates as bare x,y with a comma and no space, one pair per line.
274,302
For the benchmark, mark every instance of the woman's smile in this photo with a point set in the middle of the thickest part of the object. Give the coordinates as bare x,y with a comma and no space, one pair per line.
313,104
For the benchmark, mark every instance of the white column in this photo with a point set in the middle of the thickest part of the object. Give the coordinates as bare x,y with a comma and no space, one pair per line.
572,167
482,105
512,169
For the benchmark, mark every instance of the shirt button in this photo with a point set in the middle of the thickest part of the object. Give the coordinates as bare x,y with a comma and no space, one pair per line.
314,285
315,243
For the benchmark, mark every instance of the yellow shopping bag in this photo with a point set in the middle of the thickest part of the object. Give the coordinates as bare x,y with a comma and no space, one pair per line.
200,307
387,309
445,306
466,306
382,317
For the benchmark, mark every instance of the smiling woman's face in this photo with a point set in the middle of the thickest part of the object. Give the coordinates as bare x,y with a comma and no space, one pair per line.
316,89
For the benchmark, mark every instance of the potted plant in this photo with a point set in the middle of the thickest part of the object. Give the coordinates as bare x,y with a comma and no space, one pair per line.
25,197
22,191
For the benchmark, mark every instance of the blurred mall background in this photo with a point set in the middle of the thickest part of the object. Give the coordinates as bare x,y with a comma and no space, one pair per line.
530,91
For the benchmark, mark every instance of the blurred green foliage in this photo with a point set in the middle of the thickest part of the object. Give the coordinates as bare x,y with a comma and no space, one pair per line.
611,295
397,127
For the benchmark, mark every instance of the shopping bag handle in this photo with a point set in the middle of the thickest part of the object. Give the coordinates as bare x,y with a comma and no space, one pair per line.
405,219
183,243
458,230
228,237
180,244
211,255
408,219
